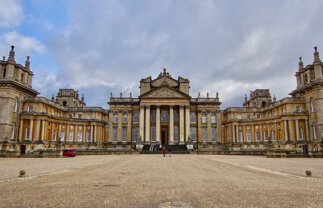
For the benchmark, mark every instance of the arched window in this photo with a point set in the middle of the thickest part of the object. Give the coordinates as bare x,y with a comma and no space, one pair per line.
312,105
135,117
115,117
203,117
213,119
193,117
125,117
15,106
263,104
13,130
64,103
315,130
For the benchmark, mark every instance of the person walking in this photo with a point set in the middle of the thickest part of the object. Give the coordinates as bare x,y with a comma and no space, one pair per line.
164,151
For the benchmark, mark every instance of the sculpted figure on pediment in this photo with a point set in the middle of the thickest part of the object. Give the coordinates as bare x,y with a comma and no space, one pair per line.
164,92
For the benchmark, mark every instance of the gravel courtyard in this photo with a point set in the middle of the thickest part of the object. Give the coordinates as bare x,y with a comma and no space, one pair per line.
154,181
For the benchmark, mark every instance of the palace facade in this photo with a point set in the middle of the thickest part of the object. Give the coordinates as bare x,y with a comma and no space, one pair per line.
163,114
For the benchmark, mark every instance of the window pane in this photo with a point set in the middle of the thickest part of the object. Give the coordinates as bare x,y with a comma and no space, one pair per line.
79,136
115,134
203,117
214,134
175,133
193,117
193,134
175,116
153,133
124,134
115,117
135,133
136,117
71,135
204,134
248,136
88,136
153,116
125,117
164,116
213,117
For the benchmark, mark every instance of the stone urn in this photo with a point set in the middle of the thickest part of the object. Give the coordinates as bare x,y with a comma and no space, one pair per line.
189,144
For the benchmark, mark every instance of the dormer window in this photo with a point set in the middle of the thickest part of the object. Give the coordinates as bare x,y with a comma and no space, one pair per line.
30,108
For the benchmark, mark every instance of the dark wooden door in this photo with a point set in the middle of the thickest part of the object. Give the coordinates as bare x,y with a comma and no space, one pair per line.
164,135
22,149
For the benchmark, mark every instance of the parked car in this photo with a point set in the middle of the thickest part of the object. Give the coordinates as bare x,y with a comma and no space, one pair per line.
69,152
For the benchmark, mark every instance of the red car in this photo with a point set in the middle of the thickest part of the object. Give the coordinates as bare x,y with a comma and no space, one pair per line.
69,152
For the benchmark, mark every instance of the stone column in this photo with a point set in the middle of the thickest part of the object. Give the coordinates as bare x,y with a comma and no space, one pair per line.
67,131
208,127
181,124
275,132
147,138
261,133
84,134
171,124
129,126
92,134
119,131
252,134
95,129
157,124
141,122
307,136
233,134
187,122
42,130
110,131
237,133
291,132
244,138
297,130
285,130
58,133
21,127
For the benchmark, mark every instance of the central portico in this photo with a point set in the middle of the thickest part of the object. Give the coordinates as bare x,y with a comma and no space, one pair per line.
167,114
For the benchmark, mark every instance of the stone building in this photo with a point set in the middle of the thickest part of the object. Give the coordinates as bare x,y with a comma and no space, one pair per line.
163,114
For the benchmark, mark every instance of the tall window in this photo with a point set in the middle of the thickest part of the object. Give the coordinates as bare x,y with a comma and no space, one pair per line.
257,136
79,136
175,116
88,136
115,117
27,133
298,109
193,134
153,116
71,135
79,116
125,117
13,130
54,135
164,116
115,134
30,108
203,117
153,133
301,134
315,130
204,134
15,106
266,135
175,133
89,116
62,136
135,117
312,105
240,136
273,135
213,134
135,133
193,117
213,118
124,134
248,136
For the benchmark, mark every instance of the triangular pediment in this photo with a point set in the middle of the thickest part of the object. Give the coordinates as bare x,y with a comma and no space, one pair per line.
164,92
162,80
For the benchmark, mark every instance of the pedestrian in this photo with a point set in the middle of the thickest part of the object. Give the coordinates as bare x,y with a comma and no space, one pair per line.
164,151
170,151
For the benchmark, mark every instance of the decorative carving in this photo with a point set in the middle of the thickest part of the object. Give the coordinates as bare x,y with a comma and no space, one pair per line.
165,92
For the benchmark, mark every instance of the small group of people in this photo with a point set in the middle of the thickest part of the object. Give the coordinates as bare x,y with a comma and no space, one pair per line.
164,150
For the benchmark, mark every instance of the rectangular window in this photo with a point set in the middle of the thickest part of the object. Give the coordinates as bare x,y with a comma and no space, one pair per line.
175,133
79,115
89,116
193,134
124,134
30,108
203,117
175,116
164,116
27,133
71,135
69,115
214,134
79,136
257,136
153,133
315,131
62,136
88,136
273,135
248,136
115,134
153,116
266,135
54,135
240,137
249,116
136,117
135,133
213,118
193,117
301,134
204,134
298,109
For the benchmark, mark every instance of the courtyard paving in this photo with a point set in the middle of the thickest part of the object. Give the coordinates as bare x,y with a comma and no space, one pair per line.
154,181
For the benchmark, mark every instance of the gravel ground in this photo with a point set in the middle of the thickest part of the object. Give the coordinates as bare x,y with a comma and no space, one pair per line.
154,181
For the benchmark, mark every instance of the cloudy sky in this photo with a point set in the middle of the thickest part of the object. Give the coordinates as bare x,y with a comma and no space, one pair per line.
106,46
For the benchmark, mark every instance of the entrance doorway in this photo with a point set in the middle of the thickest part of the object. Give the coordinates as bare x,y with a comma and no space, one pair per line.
22,149
164,135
